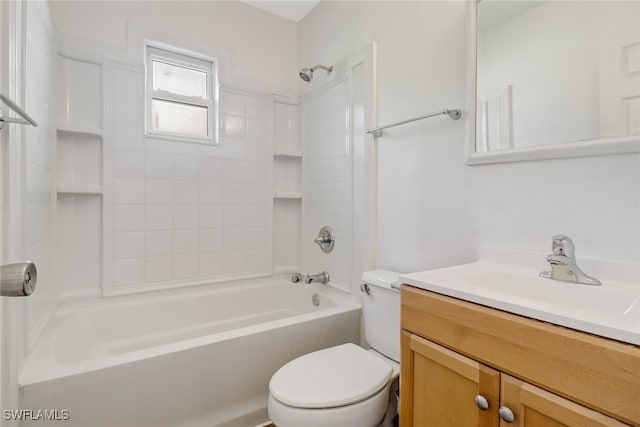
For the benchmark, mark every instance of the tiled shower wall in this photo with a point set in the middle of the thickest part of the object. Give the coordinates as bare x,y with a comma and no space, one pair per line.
185,211
327,176
39,144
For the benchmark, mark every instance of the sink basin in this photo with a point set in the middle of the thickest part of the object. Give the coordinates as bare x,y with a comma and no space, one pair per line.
611,310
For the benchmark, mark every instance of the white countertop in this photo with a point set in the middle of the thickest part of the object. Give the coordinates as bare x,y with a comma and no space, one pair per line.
611,310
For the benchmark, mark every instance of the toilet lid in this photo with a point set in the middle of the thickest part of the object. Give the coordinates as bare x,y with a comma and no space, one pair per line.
336,376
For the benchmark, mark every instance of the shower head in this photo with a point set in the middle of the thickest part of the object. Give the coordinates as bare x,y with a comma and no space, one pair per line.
306,74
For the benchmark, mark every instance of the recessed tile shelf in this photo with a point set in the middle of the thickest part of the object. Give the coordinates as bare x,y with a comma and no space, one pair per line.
79,190
81,131
292,154
287,196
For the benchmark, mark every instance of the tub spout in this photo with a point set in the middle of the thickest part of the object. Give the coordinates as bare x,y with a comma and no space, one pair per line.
321,277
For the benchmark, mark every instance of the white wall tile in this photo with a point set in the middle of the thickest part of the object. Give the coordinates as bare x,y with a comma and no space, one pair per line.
129,191
180,206
129,245
234,262
158,166
256,108
233,194
234,239
186,266
211,264
157,243
158,269
255,238
254,194
186,192
158,146
211,217
185,168
129,271
234,126
256,129
185,242
258,260
211,193
256,151
256,216
128,137
129,218
211,169
234,216
158,217
158,192
233,103
211,241
186,217
128,164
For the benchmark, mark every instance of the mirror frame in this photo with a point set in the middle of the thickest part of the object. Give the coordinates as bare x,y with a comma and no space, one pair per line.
591,147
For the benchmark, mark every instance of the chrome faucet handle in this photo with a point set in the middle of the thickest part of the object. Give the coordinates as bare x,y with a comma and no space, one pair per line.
563,245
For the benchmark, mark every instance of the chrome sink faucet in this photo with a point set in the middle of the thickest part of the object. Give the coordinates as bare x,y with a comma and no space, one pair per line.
563,263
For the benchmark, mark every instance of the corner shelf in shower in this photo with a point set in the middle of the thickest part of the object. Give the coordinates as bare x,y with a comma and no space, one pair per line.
291,196
291,154
73,130
79,190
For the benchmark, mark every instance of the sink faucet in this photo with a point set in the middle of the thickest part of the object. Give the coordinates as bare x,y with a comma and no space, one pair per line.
563,263
321,277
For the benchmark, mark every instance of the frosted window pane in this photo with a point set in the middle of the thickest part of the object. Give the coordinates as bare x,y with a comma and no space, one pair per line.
178,118
179,80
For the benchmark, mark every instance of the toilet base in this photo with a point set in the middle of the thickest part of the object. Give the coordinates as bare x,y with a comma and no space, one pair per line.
367,413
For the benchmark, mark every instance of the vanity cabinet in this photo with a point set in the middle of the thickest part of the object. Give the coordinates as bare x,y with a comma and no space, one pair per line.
453,351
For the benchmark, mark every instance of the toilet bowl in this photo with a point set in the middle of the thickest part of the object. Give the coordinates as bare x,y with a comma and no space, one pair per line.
345,385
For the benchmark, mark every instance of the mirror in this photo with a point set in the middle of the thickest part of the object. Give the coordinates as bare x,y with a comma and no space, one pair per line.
555,79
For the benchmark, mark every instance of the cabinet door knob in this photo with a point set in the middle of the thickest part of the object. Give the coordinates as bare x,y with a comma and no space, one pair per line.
506,414
481,402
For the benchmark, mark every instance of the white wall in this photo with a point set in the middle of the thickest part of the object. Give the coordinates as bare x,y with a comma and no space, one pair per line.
421,174
186,212
261,46
432,209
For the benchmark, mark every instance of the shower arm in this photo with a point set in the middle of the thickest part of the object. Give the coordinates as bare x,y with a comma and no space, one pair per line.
322,67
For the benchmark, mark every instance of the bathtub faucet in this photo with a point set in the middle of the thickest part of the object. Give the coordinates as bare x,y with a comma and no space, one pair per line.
321,277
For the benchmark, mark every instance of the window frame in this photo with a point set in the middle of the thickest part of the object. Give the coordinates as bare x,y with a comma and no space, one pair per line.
171,55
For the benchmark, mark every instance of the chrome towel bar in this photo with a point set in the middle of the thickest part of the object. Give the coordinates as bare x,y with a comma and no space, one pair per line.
453,114
25,120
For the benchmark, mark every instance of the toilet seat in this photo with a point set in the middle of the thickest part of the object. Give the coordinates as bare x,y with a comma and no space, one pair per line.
330,378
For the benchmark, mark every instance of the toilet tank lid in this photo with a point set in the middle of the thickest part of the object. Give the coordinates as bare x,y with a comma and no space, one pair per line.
381,278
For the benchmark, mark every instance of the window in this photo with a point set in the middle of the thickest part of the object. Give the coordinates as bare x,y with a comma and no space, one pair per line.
181,95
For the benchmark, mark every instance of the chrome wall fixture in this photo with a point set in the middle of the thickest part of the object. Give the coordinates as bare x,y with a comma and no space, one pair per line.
18,279
325,239
25,119
306,74
453,114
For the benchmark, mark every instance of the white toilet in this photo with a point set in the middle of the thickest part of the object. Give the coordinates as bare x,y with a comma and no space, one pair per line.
346,386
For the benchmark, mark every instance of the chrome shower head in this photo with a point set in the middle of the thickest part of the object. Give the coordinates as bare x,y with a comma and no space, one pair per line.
306,74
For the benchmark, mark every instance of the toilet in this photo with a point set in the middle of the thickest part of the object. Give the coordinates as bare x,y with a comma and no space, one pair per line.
346,385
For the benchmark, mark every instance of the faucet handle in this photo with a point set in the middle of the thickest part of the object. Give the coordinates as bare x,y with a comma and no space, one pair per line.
563,245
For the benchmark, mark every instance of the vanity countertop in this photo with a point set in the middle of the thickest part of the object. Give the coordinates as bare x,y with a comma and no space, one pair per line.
611,310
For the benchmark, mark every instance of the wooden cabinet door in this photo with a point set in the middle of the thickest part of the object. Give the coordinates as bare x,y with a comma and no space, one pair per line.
438,387
534,407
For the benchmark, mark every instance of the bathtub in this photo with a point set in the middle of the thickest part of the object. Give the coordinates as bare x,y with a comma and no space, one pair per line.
198,357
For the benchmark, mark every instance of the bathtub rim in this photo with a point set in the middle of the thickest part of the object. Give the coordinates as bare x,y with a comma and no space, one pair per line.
36,370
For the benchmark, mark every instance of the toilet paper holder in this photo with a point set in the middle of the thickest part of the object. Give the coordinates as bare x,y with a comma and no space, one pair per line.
18,279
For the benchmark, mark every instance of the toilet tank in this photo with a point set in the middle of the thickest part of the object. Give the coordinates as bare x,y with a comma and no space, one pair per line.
381,312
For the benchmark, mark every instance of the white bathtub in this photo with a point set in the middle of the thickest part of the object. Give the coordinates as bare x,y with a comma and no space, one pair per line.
200,357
